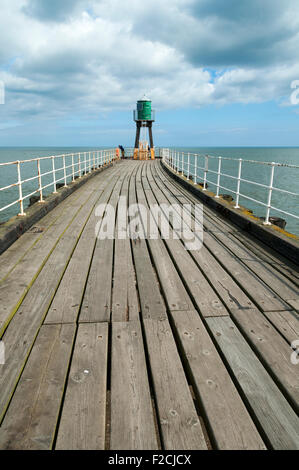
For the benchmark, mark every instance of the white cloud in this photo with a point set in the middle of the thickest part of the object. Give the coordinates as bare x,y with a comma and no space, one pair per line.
90,56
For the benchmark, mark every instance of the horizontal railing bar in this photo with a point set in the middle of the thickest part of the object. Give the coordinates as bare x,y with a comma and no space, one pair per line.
55,156
31,194
245,181
9,186
285,212
288,165
9,205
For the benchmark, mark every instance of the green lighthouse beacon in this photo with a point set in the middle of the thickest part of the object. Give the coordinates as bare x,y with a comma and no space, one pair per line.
144,117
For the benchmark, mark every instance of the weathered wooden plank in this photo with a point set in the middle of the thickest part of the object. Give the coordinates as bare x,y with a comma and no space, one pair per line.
287,324
83,418
32,416
272,349
270,276
14,288
253,286
15,253
67,301
151,301
132,419
202,293
294,304
125,304
227,418
180,425
272,411
172,286
24,325
96,304
270,256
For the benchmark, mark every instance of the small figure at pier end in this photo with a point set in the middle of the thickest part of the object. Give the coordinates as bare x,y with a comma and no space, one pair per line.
122,151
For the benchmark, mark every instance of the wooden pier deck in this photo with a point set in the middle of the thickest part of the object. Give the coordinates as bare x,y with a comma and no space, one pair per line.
141,344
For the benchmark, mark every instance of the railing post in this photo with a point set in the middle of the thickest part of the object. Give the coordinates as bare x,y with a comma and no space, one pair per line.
195,169
188,165
94,161
205,173
39,182
79,165
270,194
218,177
20,190
85,164
64,171
73,170
54,175
238,184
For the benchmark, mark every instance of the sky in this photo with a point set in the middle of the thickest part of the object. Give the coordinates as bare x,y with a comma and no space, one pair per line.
218,72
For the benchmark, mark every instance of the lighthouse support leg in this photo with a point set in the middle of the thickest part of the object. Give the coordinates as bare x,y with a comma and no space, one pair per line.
136,150
150,133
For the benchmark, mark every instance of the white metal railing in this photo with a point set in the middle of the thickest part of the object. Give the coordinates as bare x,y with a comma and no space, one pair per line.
180,162
60,169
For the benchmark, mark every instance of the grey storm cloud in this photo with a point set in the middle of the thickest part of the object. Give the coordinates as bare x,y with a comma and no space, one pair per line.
227,33
245,33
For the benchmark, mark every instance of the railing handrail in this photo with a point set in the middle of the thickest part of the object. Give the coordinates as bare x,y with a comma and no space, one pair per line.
289,165
177,163
81,163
